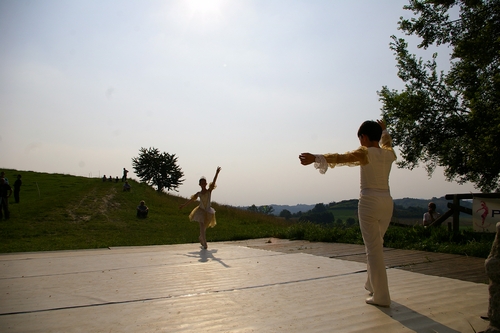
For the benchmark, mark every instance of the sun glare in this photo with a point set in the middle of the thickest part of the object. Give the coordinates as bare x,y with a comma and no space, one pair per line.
204,7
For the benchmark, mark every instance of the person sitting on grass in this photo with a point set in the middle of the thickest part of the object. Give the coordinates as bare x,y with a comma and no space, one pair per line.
431,215
142,209
126,187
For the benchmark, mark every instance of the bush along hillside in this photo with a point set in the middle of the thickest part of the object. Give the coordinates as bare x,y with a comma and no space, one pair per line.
63,212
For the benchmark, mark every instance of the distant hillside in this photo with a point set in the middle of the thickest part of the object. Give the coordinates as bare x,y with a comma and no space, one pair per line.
441,204
406,211
292,209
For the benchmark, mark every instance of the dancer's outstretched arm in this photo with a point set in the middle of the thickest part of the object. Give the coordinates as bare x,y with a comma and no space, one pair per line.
193,198
216,175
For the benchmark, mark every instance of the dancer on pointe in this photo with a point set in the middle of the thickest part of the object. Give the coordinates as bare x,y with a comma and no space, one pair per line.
204,214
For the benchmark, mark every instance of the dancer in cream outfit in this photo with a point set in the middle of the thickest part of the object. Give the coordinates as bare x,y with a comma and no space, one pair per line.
375,158
204,214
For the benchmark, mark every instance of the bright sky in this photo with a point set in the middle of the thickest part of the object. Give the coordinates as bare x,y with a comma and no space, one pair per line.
246,85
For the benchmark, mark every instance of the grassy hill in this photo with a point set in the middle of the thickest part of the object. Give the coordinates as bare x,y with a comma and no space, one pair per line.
62,212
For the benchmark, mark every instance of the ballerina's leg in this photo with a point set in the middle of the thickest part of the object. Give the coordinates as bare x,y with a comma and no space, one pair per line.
203,237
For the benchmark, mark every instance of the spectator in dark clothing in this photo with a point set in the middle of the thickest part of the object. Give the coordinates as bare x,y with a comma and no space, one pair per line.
125,172
126,187
142,209
5,193
431,215
17,188
2,175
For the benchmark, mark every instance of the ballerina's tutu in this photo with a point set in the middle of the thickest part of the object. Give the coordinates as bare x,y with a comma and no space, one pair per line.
206,217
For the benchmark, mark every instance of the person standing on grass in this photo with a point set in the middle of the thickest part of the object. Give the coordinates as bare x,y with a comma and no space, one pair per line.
17,188
5,193
204,214
2,175
125,173
375,158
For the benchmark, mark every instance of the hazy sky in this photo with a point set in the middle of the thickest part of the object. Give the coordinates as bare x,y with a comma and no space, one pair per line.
245,85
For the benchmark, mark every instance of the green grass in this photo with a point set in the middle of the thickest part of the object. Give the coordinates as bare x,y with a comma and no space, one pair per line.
344,214
63,212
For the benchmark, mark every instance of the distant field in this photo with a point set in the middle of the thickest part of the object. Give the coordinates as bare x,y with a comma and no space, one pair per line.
344,214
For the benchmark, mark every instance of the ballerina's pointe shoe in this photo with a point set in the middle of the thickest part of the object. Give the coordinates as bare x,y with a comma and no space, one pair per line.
203,243
370,301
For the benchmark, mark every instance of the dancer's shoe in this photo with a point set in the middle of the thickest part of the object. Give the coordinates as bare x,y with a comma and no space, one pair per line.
203,243
370,301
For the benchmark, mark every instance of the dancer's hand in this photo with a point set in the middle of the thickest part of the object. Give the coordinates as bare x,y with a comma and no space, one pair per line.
307,158
215,177
382,124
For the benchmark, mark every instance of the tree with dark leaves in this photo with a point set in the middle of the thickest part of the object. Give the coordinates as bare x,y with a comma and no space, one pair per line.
158,169
286,214
449,119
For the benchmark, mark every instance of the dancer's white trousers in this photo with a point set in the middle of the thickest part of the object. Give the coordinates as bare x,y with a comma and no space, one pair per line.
375,214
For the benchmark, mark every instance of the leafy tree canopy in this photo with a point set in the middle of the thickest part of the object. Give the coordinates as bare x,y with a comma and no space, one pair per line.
158,169
266,210
449,119
319,208
286,214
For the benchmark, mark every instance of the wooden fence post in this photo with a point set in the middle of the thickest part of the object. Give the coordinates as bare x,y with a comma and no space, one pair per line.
456,213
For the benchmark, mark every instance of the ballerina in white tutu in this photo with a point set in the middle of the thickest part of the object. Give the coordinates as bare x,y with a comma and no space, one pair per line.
204,214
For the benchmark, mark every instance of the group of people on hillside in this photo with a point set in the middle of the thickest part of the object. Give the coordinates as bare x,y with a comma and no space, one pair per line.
142,210
6,192
110,179
126,184
116,179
